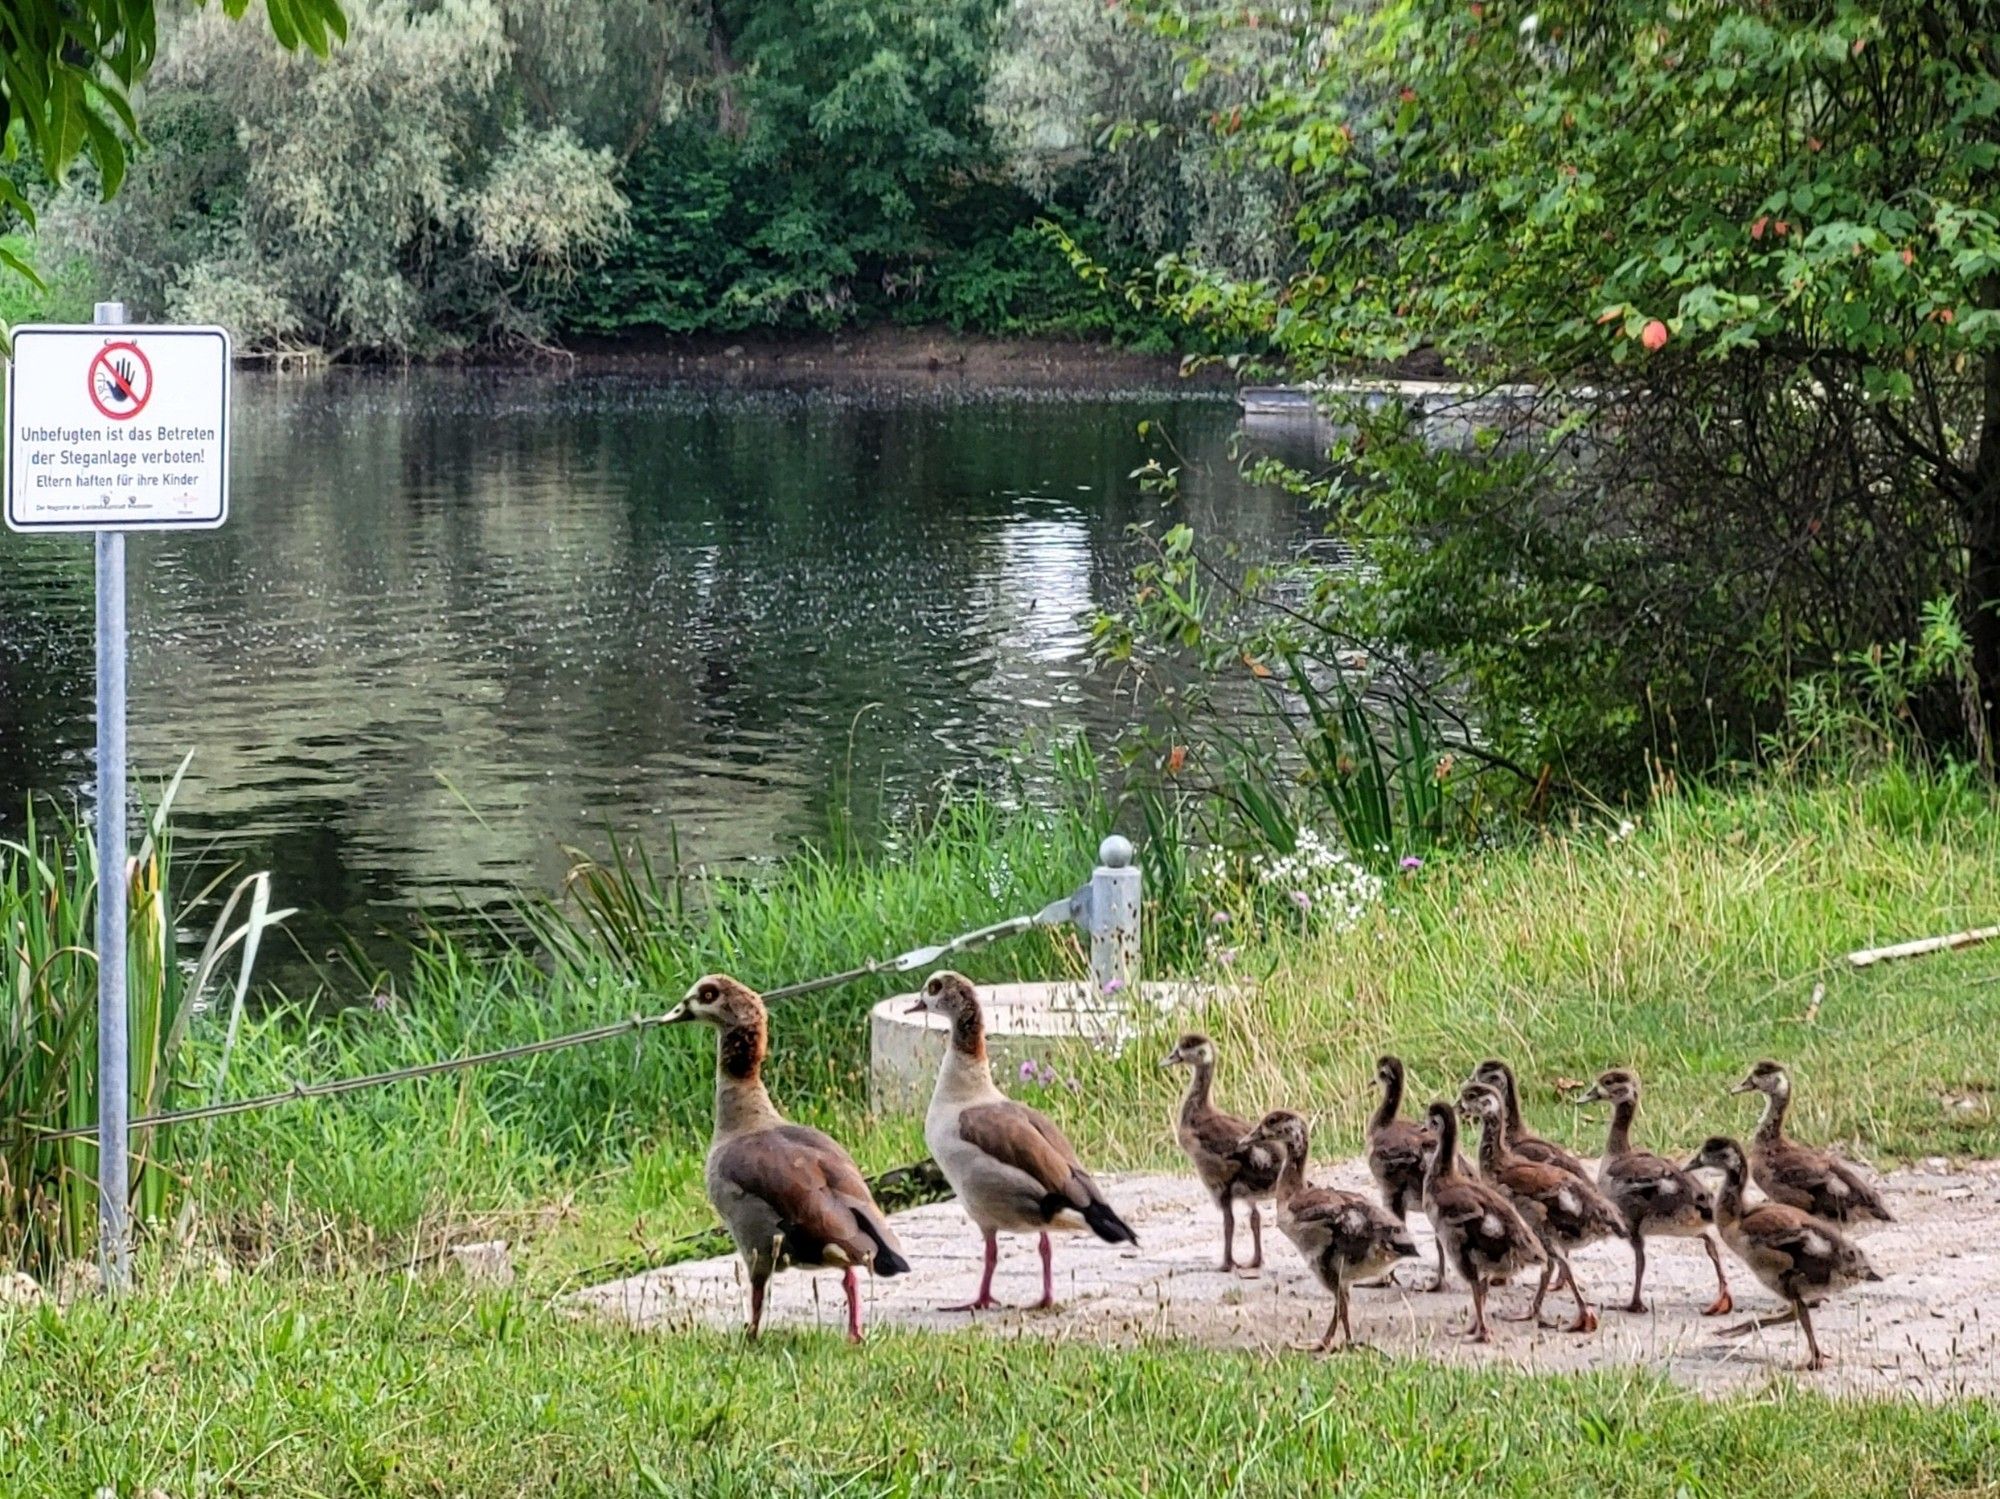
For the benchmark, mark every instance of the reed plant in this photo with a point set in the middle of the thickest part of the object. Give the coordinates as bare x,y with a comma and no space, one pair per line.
49,1030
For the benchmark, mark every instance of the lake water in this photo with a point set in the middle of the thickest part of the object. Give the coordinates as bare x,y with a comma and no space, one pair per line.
458,620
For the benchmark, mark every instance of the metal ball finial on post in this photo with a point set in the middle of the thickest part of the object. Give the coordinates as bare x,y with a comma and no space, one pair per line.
1114,917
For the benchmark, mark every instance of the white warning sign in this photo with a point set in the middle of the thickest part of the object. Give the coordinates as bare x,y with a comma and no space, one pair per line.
123,428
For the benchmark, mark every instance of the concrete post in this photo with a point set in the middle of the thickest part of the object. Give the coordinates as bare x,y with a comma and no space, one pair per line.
1114,917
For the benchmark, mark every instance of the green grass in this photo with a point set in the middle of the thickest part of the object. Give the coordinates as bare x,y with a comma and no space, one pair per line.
1686,950
283,1385
338,1359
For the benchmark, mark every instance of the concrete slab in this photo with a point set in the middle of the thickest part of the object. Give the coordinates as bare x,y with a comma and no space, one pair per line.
1021,1021
1931,1329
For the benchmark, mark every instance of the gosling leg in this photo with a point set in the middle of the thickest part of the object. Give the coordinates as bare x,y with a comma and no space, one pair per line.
1637,1304
1228,1234
1481,1333
1586,1315
1256,1238
1534,1312
1724,1303
1758,1324
1814,1358
1437,1281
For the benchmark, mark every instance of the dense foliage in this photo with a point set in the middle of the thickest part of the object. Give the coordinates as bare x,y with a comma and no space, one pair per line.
1751,255
861,160
258,209
478,172
66,81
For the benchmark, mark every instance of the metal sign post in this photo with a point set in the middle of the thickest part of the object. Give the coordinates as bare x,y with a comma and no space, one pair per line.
114,1088
109,433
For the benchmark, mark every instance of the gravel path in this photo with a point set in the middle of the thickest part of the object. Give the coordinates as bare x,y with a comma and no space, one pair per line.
1930,1329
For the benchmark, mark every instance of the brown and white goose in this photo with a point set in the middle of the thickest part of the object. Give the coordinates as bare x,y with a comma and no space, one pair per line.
1814,1181
1566,1212
1012,1169
787,1194
1802,1258
1498,1076
1484,1238
1342,1236
1233,1167
1397,1149
1657,1197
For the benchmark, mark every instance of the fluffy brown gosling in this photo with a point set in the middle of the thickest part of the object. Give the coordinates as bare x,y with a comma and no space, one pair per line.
1233,1167
1483,1236
1012,1169
1802,1258
1498,1076
1342,1236
1814,1181
1396,1151
788,1195
1657,1197
1565,1212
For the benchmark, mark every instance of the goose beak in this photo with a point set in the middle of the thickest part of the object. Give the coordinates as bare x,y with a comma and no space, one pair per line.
677,1015
918,1008
1171,1059
1746,1086
1594,1095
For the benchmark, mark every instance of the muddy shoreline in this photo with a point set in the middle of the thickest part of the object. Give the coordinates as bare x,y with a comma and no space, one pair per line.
915,357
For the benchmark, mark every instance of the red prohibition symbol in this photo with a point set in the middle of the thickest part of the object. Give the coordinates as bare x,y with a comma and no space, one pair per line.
120,381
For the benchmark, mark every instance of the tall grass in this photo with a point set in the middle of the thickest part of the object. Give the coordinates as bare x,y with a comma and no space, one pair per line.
628,936
1708,935
1687,949
49,1033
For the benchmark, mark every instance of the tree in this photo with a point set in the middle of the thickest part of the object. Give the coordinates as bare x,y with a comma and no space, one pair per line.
69,72
1756,249
389,200
1086,100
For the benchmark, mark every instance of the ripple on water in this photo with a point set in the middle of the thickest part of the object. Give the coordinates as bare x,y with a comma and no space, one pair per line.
458,621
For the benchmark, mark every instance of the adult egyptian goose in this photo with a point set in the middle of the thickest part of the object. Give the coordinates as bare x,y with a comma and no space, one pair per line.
788,1194
1814,1181
1012,1169
1802,1258
1397,1148
1484,1237
1342,1236
1498,1076
1566,1212
1230,1165
1657,1197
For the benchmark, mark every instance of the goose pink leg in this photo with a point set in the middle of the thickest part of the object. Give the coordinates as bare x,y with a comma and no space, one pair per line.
984,1299
852,1283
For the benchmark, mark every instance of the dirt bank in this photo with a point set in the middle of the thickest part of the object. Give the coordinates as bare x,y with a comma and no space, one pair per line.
1931,1328
921,357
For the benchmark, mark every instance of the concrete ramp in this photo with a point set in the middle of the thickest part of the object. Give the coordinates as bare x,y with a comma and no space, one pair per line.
1930,1329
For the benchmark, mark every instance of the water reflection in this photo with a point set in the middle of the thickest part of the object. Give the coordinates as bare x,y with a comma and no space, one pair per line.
458,619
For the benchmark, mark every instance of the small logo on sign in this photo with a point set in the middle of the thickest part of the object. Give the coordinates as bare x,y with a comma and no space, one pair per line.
121,381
